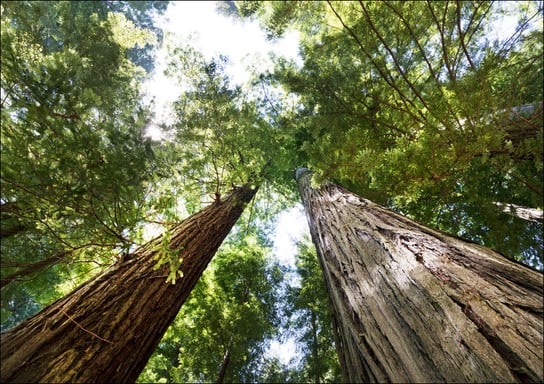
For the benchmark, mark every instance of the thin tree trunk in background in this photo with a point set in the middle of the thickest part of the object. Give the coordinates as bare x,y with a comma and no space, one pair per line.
315,348
27,270
413,304
9,222
106,330
7,231
224,366
530,214
227,354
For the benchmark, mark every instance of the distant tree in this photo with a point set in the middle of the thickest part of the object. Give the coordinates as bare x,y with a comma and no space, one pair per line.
106,330
311,320
274,371
413,304
221,331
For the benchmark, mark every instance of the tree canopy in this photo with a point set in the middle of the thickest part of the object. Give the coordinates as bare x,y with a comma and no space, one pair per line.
419,106
75,162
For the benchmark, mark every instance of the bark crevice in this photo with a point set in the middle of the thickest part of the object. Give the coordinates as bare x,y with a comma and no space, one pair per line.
517,366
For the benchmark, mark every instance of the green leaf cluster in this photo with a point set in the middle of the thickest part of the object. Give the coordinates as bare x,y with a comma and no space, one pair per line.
172,257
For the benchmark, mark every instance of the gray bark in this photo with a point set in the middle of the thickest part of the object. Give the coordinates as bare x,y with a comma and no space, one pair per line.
413,304
530,214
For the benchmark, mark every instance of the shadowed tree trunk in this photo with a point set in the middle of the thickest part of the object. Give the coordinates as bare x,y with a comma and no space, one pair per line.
7,231
227,355
106,330
413,304
224,366
315,348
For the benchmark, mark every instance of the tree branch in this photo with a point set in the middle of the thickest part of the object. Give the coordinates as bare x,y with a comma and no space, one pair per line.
462,34
85,330
425,58
384,75
440,29
397,64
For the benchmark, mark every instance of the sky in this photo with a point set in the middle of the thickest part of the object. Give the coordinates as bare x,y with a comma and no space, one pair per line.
198,22
244,43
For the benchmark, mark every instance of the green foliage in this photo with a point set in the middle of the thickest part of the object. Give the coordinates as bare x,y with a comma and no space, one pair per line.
172,257
221,134
311,320
277,17
126,34
141,16
274,371
410,104
75,163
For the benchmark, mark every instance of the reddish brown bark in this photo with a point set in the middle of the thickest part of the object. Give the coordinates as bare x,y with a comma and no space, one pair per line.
106,330
412,304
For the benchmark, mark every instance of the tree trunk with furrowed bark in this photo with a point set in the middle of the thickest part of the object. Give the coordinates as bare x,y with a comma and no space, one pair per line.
413,304
106,330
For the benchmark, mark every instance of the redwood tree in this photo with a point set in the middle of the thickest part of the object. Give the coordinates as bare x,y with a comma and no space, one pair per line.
420,105
106,329
413,304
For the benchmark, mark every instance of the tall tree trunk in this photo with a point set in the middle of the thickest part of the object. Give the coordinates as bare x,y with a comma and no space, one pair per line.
106,330
414,304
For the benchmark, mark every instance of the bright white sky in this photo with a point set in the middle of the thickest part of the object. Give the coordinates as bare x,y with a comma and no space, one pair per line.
197,23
